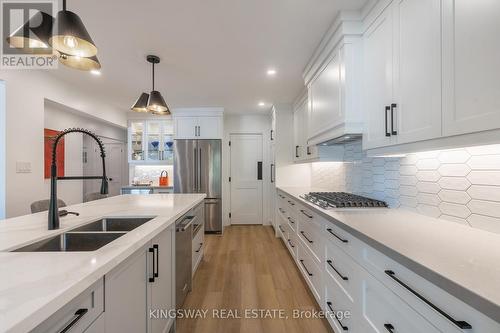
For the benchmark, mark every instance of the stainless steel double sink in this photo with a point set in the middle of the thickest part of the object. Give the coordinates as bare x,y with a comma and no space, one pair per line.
89,237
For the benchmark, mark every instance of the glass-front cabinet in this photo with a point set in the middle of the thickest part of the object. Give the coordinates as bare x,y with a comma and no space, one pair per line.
151,141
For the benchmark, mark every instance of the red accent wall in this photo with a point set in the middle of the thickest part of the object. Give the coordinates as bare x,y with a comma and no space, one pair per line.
48,140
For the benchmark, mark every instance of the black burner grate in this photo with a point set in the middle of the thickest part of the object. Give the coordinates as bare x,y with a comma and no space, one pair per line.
345,200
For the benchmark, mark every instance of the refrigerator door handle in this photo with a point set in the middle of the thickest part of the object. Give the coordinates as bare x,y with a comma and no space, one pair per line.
199,172
195,171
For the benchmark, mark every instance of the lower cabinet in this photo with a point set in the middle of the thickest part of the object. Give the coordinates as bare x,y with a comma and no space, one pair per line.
140,286
363,290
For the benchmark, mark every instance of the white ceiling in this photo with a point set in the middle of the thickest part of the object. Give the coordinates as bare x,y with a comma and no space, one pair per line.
213,52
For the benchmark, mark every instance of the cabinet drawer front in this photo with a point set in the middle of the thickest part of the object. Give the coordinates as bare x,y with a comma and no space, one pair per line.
291,243
385,312
310,235
344,240
442,309
311,271
292,220
77,315
339,307
342,271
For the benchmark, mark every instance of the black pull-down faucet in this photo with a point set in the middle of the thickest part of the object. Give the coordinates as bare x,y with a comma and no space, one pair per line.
53,209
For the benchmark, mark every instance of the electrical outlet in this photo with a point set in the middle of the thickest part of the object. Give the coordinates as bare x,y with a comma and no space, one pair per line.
23,167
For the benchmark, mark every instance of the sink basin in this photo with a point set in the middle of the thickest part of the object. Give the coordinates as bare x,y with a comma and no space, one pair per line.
114,224
72,241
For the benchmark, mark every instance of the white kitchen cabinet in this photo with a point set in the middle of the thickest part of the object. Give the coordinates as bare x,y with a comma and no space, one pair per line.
471,66
98,326
79,314
200,127
402,74
150,142
302,150
142,282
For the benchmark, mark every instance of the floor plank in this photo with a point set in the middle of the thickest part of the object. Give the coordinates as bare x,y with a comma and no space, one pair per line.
248,268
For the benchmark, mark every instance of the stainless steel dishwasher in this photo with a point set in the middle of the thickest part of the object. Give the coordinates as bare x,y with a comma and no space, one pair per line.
183,257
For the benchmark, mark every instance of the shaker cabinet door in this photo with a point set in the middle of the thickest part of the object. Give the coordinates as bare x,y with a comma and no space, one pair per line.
378,81
471,60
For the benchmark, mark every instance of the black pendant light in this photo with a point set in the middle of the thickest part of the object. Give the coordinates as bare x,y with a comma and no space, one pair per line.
153,102
141,105
70,35
33,36
80,63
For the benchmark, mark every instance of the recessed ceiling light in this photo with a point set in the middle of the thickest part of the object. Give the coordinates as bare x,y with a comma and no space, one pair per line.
95,72
271,72
262,104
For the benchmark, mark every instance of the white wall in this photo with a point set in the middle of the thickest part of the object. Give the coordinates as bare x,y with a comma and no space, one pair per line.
2,149
58,117
26,92
248,124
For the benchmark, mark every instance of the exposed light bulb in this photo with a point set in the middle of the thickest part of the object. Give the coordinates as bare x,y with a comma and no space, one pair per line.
271,72
95,72
262,104
70,42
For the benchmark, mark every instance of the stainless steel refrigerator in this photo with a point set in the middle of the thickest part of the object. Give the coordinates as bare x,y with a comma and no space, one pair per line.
198,169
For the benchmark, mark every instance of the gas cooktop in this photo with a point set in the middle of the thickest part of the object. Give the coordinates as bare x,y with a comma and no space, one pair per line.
342,200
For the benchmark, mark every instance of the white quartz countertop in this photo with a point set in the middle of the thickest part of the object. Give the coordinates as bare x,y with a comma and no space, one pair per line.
461,260
34,285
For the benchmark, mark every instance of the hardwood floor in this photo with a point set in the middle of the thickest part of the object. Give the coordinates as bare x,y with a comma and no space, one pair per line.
248,268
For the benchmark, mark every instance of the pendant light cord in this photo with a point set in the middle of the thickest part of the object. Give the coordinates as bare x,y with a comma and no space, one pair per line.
153,76
64,5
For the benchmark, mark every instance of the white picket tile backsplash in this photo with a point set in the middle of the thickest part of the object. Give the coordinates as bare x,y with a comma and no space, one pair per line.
460,185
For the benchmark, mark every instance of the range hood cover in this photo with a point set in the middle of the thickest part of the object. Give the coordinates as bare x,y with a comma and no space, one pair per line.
341,140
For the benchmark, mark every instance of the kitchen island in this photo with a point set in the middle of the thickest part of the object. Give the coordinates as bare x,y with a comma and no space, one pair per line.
36,285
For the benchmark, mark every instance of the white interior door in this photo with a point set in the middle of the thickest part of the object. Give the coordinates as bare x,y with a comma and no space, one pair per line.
114,165
246,187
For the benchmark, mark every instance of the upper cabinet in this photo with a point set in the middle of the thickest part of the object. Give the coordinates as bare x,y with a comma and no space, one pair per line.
471,60
198,124
402,74
334,89
150,141
302,150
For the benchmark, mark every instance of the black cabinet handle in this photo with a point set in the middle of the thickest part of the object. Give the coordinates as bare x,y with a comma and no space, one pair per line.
308,150
344,328
345,278
272,135
156,248
459,323
297,151
259,170
302,263
393,106
78,315
303,212
291,221
387,109
304,234
336,236
272,173
152,278
199,249
281,210
290,242
281,228
389,328
291,203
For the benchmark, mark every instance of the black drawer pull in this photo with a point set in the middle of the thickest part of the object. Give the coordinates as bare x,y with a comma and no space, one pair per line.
345,328
281,228
199,249
389,328
78,315
152,278
459,323
304,234
291,221
291,203
345,278
302,263
336,236
282,210
303,212
291,244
